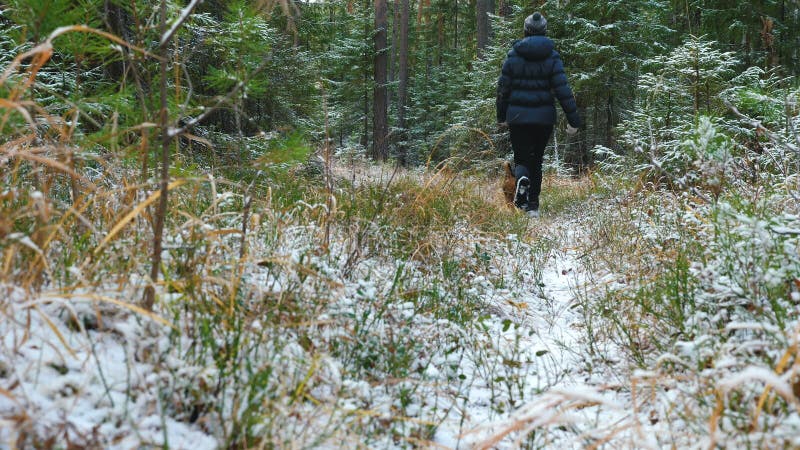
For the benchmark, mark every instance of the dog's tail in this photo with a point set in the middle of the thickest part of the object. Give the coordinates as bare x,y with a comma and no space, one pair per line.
507,167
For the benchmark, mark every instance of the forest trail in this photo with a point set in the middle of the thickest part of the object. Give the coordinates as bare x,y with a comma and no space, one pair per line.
455,329
488,352
546,359
547,329
540,375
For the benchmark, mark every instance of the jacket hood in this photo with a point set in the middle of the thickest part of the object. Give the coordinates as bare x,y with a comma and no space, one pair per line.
534,48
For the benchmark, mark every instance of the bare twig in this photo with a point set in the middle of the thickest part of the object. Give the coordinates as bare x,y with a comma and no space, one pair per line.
177,131
46,47
760,128
166,140
657,165
185,14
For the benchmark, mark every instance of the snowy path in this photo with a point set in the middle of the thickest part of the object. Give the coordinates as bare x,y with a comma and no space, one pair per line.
540,360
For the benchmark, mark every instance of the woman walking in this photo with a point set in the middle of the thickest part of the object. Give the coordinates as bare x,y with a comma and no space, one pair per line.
532,78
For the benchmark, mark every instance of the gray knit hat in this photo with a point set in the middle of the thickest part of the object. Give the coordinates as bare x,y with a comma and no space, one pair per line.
535,24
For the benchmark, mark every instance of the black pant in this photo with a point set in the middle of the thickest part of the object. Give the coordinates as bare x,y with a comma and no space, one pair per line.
528,142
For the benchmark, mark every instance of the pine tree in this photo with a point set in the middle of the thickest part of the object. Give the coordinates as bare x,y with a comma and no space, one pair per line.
380,119
676,90
601,45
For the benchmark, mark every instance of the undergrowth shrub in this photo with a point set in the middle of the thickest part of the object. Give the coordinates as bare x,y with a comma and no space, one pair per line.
700,257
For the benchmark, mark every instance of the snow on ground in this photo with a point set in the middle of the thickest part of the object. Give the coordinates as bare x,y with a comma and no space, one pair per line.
91,373
60,378
66,377
537,328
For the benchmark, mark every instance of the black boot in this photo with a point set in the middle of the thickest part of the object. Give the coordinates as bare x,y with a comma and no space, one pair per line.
523,189
523,186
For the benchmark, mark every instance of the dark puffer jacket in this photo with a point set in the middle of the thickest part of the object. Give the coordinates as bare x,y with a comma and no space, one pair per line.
532,73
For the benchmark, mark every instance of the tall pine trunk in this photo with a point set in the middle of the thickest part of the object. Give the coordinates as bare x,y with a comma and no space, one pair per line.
394,49
455,24
482,25
365,87
504,9
380,122
402,94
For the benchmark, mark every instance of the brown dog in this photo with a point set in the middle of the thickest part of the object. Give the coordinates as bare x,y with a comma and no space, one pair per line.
509,184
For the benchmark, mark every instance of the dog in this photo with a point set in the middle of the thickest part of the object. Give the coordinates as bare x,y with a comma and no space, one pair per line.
509,184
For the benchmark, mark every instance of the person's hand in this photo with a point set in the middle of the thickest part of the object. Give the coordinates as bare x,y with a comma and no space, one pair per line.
571,130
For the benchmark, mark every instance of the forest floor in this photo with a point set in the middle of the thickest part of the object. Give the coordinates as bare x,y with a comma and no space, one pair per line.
410,309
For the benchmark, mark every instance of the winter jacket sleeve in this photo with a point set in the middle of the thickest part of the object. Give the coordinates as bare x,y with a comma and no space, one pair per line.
503,91
559,84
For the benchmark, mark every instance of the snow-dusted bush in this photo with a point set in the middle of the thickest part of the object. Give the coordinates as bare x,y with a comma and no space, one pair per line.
706,289
679,96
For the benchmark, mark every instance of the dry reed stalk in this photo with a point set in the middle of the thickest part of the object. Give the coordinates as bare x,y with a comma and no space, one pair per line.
51,163
131,215
556,403
106,299
791,354
19,107
54,329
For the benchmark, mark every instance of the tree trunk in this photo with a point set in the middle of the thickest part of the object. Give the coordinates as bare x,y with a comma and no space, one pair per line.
696,81
610,114
365,85
440,43
380,125
455,24
402,95
482,26
161,211
504,9
490,9
393,46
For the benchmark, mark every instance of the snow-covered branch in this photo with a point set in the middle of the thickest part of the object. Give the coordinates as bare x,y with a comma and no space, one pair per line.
187,11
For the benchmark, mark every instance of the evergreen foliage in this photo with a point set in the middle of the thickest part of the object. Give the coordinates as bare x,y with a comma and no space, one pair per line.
606,48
